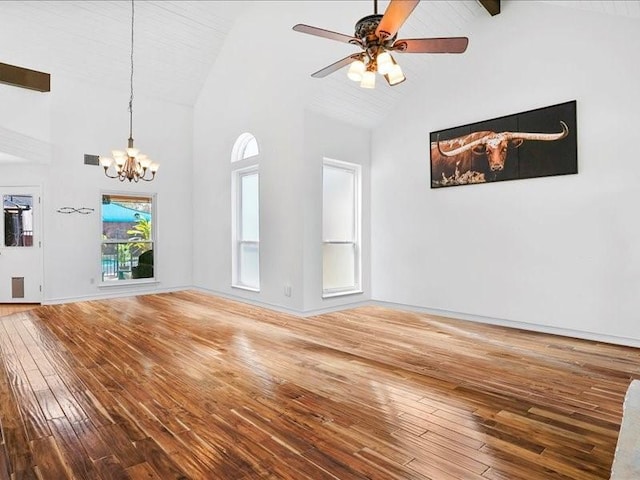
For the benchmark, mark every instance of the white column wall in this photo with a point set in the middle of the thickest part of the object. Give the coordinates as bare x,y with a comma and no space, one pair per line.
243,94
265,94
325,137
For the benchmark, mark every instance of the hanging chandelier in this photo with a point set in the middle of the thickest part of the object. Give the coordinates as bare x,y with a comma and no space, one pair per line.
130,164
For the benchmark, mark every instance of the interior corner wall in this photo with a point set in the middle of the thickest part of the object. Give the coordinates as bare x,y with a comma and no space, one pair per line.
244,96
76,118
557,252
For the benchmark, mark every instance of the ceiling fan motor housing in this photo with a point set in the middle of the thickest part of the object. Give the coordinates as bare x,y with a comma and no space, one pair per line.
366,31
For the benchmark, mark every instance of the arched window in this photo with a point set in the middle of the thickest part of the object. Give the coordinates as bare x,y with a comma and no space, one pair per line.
245,214
246,146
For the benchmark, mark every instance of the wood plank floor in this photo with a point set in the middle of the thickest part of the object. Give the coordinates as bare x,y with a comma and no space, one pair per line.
190,386
9,308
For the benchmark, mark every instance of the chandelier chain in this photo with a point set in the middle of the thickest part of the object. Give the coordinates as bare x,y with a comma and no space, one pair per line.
130,164
131,79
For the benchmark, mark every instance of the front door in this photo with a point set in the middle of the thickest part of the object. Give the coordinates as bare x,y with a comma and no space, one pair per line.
20,246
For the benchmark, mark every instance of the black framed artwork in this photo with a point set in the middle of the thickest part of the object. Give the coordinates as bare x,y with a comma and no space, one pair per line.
536,143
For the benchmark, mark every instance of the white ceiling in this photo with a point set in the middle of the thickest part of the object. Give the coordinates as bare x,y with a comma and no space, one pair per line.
177,42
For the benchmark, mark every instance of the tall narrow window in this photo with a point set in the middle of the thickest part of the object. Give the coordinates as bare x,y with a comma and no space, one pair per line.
245,183
127,237
340,228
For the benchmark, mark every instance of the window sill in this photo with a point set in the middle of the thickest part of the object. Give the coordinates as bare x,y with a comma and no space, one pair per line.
341,293
128,283
244,287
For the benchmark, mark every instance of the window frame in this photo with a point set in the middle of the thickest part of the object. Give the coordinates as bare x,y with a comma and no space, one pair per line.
153,241
236,222
356,170
239,151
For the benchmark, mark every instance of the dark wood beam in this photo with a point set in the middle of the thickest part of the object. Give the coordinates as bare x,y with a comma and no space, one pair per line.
492,6
25,78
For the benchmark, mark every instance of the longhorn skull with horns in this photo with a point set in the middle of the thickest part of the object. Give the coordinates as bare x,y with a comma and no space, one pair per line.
495,145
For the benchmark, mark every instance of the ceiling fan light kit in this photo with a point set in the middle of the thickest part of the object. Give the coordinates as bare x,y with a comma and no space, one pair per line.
368,79
376,36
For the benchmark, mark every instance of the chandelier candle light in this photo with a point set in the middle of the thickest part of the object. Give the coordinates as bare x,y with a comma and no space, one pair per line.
130,164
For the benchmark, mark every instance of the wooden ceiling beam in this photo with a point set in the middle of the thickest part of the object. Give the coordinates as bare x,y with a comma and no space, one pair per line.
492,6
25,78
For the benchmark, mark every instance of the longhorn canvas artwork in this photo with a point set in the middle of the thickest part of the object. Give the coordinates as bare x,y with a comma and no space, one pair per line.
536,143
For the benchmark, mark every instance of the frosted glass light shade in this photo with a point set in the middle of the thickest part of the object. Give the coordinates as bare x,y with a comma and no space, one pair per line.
356,70
105,162
154,167
385,63
144,162
395,75
368,80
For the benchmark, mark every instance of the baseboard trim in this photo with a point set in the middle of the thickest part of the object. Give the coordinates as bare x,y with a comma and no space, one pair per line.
113,292
282,308
564,332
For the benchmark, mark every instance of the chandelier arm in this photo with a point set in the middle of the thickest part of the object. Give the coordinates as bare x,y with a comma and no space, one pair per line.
110,176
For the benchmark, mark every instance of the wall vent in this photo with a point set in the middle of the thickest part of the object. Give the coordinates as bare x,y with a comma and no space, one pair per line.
17,287
91,159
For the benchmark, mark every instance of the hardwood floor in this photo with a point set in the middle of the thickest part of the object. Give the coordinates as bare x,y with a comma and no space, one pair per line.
9,308
189,386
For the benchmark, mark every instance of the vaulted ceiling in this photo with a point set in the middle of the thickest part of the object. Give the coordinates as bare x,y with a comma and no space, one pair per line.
177,43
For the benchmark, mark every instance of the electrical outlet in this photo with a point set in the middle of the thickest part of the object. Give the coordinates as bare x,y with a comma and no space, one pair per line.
287,290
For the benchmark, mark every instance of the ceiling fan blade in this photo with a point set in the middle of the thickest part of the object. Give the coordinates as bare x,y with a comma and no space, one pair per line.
394,16
336,66
321,32
431,45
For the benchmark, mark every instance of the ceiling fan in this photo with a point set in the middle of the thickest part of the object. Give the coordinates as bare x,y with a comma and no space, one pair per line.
376,36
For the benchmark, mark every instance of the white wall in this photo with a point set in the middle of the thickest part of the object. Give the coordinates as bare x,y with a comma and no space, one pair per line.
557,252
242,95
324,137
76,118
265,94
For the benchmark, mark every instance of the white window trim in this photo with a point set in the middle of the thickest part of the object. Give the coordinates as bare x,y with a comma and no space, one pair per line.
236,176
239,148
154,240
357,173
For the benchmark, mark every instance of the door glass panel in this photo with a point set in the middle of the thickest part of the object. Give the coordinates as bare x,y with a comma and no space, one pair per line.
18,220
